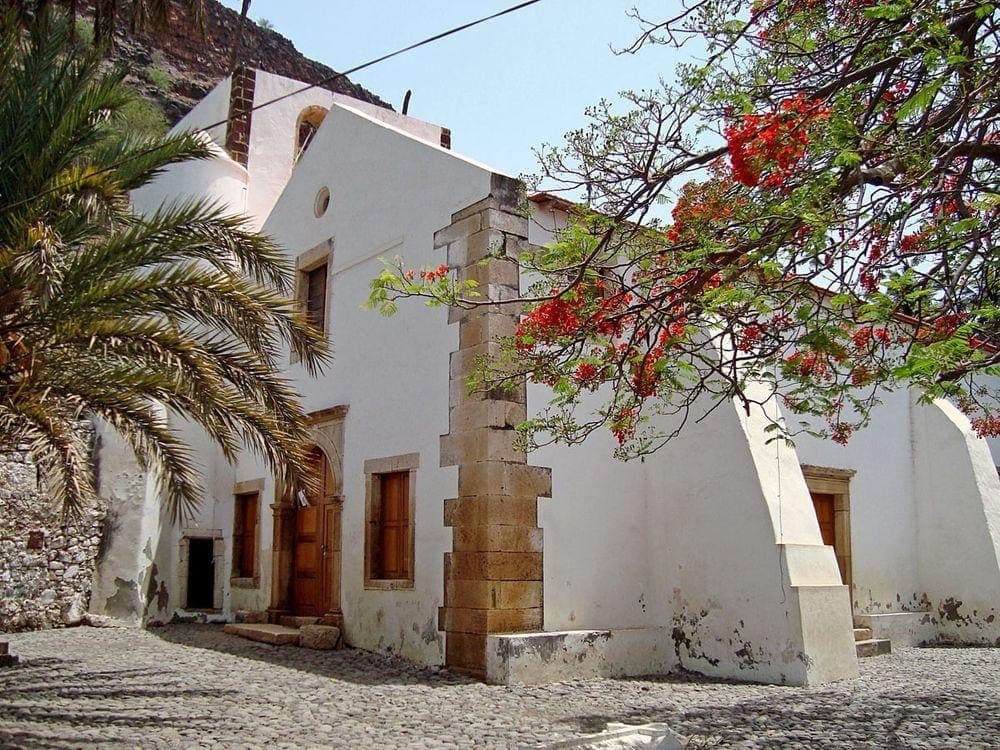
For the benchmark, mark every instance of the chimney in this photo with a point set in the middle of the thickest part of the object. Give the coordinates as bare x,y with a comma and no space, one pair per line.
240,113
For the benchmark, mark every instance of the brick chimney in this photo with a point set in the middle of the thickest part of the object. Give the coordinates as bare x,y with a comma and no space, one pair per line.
240,113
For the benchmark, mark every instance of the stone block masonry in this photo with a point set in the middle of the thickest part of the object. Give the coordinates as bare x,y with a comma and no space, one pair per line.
241,92
46,561
493,576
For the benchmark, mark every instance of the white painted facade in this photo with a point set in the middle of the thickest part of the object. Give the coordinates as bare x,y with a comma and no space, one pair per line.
705,555
925,504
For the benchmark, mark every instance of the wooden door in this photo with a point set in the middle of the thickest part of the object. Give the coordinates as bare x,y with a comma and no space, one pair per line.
316,550
307,571
331,557
823,502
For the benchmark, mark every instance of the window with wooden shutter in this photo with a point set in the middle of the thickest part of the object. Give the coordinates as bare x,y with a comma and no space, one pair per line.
389,537
315,296
392,537
247,508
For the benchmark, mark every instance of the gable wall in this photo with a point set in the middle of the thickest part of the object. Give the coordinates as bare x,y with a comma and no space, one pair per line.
389,194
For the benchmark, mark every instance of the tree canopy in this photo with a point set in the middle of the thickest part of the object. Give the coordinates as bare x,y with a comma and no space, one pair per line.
139,321
811,203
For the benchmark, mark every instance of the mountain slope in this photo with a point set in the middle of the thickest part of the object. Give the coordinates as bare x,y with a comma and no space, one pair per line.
175,68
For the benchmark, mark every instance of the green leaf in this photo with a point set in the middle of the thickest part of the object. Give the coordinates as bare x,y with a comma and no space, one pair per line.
887,12
920,100
848,158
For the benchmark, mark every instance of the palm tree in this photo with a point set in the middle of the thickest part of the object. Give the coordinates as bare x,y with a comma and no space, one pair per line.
132,320
142,14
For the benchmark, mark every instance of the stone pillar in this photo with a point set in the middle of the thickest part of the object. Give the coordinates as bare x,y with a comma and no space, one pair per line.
281,560
241,93
493,576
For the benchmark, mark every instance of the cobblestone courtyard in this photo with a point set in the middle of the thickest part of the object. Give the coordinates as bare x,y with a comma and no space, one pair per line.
193,686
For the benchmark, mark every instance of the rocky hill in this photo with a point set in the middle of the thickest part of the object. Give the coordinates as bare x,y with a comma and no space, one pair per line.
175,68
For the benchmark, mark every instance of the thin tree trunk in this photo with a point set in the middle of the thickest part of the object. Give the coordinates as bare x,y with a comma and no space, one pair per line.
71,9
235,55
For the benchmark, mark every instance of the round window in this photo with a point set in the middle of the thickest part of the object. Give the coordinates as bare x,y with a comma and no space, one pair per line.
322,201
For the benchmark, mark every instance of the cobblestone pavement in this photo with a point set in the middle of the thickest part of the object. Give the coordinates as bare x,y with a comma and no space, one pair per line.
193,686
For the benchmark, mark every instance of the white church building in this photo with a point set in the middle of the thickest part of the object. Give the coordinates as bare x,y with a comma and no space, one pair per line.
435,539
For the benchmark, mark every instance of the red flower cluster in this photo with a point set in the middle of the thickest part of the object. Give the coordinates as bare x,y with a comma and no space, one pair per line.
946,325
550,320
865,334
428,274
772,143
645,378
749,338
912,243
623,425
841,433
586,373
808,364
987,427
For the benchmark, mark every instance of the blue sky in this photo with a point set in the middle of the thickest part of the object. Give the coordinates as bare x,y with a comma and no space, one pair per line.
503,87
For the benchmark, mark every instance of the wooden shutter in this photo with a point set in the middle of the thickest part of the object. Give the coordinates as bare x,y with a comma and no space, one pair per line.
393,539
245,534
316,297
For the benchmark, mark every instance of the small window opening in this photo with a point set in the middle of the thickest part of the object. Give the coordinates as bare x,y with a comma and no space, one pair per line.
316,296
322,202
247,507
309,122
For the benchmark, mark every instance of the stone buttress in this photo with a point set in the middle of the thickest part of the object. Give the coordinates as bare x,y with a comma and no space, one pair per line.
493,576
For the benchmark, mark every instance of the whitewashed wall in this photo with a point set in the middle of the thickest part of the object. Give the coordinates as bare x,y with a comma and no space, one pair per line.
958,524
925,516
883,509
711,541
389,193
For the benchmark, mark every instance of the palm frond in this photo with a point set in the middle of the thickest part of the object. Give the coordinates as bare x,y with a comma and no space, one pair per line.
142,321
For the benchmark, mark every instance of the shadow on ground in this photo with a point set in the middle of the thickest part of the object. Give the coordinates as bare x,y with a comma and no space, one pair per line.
63,692
345,665
809,717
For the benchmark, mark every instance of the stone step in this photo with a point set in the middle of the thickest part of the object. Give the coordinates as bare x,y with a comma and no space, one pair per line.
873,647
320,637
276,635
862,634
902,628
297,622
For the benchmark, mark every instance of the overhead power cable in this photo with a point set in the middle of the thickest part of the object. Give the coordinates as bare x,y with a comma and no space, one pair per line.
307,87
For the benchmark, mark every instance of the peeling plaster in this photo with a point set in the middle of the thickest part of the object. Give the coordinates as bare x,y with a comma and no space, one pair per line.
126,602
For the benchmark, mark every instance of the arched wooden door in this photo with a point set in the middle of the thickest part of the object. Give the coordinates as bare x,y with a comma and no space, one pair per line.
315,584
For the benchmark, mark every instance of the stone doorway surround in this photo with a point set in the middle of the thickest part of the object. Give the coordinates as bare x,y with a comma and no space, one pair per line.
183,558
836,482
326,433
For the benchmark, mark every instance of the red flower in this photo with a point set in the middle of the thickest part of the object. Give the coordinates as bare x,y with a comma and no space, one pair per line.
585,373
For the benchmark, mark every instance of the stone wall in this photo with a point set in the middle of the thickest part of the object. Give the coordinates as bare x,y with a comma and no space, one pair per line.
46,562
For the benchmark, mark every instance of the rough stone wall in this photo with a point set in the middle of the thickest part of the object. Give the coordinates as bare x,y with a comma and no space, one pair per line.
196,61
48,586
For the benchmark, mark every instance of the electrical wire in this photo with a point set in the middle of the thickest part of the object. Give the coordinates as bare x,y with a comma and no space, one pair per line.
307,87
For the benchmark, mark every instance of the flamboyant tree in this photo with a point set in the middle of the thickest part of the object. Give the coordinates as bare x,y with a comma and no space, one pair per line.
812,206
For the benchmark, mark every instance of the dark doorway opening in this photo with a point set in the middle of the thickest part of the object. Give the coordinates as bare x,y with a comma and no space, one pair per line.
201,574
